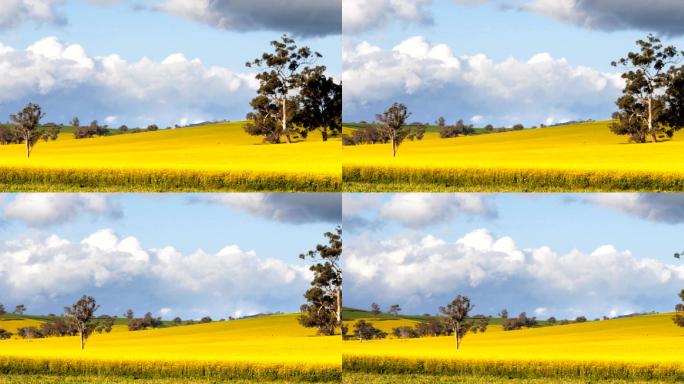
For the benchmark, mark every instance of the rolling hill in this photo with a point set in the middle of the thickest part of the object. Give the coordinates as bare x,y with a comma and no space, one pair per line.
263,347
213,157
577,157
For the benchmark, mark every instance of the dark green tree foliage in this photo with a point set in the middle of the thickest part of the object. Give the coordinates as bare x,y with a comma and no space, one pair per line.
321,103
81,316
460,128
433,327
372,134
206,319
394,309
26,125
8,135
650,104
456,317
324,299
273,114
30,333
679,311
522,321
2,310
105,324
405,332
19,309
364,330
177,320
148,321
4,335
58,328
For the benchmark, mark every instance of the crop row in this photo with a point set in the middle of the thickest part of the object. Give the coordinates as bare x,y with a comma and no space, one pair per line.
379,179
169,369
36,179
515,369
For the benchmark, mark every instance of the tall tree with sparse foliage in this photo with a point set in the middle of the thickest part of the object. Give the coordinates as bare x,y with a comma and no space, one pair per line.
456,317
393,121
648,105
394,309
27,125
375,310
81,316
324,299
19,309
281,77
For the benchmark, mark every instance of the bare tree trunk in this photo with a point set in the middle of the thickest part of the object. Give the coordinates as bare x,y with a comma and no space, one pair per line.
339,305
394,147
287,134
28,147
82,341
654,139
324,134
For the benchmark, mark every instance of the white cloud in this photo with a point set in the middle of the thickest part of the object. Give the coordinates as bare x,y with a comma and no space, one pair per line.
299,17
105,264
363,15
662,16
424,273
658,207
43,209
165,312
420,209
285,207
68,82
432,80
15,12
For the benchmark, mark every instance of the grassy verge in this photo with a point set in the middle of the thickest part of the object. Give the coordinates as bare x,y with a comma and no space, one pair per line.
383,179
112,180
560,370
157,370
47,379
374,378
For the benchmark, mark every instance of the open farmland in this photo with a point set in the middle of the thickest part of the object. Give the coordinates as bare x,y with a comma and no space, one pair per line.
214,157
640,348
268,348
580,157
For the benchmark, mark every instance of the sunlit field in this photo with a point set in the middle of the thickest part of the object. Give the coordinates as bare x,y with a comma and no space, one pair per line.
581,157
216,157
639,348
261,349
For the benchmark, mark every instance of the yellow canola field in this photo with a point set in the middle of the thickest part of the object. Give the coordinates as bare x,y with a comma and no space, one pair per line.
642,339
216,149
277,339
564,157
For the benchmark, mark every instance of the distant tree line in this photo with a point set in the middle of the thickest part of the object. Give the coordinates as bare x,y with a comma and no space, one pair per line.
454,319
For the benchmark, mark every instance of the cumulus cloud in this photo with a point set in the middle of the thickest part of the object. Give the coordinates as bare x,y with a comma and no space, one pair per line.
658,207
363,15
295,208
299,17
432,81
661,16
68,82
426,272
421,209
44,209
16,12
54,270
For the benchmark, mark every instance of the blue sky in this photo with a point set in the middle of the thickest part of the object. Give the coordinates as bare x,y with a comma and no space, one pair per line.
557,254
573,81
106,235
136,92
